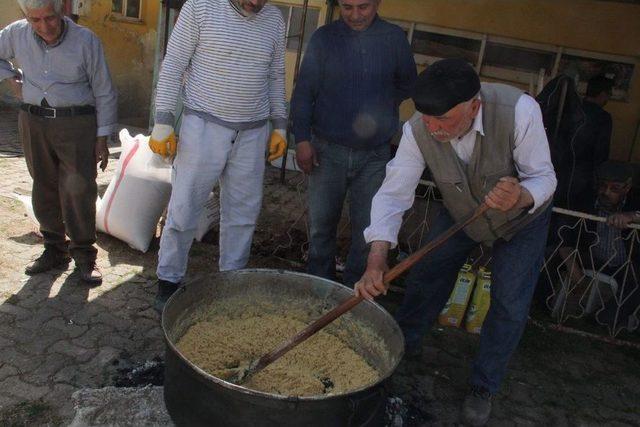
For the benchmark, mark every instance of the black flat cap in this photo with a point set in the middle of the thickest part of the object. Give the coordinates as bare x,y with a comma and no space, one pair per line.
613,170
445,84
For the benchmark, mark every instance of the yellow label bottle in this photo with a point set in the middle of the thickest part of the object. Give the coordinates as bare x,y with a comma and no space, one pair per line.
453,311
479,302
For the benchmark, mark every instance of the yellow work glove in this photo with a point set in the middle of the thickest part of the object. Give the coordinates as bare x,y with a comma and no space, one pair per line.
163,140
277,144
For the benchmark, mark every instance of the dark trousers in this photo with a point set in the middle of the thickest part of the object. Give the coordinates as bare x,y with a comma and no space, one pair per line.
60,156
342,171
515,270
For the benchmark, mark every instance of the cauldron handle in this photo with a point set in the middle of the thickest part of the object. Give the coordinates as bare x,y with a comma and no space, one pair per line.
330,316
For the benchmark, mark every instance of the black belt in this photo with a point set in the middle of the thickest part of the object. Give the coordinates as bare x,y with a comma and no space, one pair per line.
52,113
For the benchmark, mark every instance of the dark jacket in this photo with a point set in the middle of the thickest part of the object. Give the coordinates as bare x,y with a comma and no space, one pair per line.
351,84
578,142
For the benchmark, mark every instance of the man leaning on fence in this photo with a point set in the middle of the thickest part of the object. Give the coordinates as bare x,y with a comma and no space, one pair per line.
68,111
226,59
482,142
605,247
356,72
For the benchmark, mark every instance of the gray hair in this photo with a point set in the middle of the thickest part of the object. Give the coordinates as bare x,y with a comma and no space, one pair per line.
37,4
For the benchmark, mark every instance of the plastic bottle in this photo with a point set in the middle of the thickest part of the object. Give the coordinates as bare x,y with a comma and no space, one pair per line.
479,302
453,311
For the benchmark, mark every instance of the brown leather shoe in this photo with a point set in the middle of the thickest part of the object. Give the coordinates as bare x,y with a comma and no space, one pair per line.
90,273
50,259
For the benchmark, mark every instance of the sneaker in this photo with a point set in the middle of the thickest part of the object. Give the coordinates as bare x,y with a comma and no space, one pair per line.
476,408
165,290
50,259
90,273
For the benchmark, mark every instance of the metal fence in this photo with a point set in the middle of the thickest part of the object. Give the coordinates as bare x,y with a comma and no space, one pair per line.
576,285
589,276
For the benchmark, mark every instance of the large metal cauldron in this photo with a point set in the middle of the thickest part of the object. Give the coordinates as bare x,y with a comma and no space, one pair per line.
195,398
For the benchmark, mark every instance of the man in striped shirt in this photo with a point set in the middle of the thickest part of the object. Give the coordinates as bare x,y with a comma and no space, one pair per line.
225,58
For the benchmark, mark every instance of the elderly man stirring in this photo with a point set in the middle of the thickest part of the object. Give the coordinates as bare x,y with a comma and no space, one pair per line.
69,110
482,142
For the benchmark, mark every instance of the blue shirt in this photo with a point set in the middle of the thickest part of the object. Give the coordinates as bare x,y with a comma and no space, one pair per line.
71,72
351,84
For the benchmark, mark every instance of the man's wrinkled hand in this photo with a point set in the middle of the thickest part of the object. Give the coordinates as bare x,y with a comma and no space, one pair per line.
306,156
505,195
371,284
621,220
102,152
277,144
163,140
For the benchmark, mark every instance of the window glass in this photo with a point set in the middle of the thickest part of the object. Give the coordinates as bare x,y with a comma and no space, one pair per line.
310,25
116,6
518,58
445,46
133,9
583,68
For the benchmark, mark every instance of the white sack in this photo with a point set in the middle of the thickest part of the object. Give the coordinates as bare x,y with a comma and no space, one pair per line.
137,194
27,202
28,206
291,165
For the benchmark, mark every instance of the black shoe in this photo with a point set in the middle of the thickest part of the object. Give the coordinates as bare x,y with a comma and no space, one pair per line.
89,273
476,408
165,290
50,259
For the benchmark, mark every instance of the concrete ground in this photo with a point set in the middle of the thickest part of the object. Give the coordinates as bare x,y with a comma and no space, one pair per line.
58,336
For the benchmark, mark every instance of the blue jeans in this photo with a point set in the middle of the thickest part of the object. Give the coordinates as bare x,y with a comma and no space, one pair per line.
342,170
515,269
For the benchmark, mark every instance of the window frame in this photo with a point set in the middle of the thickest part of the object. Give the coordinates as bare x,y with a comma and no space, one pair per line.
424,60
290,7
119,16
529,80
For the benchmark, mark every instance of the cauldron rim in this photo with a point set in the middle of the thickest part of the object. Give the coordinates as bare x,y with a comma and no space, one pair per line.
251,392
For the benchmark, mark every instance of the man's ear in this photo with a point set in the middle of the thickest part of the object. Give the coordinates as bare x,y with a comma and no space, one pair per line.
475,106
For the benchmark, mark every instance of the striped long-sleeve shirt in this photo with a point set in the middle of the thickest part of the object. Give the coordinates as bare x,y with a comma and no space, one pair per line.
230,67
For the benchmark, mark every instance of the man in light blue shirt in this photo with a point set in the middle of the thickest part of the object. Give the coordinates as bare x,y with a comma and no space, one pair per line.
68,110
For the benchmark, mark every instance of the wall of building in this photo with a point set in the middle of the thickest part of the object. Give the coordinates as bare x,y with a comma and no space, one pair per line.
10,12
130,51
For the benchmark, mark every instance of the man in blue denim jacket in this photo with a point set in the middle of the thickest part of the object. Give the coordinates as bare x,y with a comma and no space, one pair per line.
356,72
